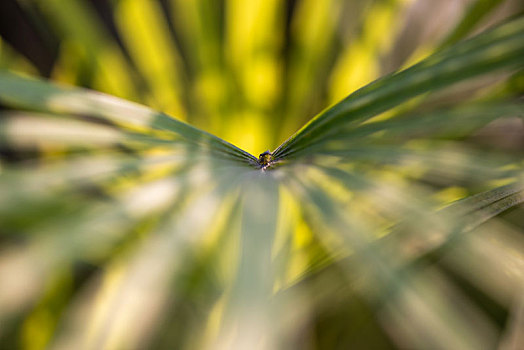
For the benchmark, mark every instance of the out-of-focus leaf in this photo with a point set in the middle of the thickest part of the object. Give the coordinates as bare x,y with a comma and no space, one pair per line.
498,49
77,21
146,33
122,227
475,13
41,96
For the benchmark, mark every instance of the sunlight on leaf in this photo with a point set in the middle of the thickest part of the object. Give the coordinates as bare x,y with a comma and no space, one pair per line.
391,220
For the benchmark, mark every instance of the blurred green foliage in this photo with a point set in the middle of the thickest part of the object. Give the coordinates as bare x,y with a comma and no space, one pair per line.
390,220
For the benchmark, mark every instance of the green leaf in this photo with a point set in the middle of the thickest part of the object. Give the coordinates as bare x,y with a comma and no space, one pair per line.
500,48
38,95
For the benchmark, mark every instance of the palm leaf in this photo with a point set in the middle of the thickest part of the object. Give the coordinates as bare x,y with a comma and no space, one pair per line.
497,49
124,227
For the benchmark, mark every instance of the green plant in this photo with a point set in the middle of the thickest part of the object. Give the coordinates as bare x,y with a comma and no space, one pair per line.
123,227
